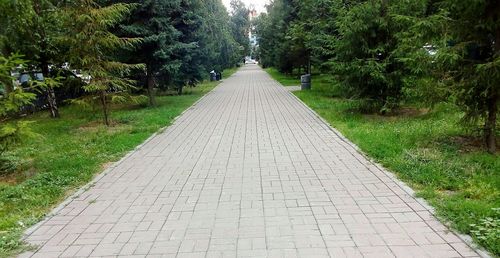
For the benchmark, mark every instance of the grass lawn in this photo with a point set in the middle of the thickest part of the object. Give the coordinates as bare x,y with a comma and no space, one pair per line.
286,80
71,151
426,149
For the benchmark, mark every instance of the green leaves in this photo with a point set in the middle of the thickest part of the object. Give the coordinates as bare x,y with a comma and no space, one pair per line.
388,52
11,102
14,101
14,133
240,24
366,59
92,49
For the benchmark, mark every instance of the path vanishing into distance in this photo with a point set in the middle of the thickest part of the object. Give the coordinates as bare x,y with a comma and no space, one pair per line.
248,171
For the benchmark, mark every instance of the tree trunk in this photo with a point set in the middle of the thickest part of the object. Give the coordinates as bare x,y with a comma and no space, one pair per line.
490,125
51,96
309,64
151,86
105,110
179,90
491,121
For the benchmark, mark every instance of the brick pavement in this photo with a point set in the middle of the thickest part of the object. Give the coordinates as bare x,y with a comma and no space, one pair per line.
248,171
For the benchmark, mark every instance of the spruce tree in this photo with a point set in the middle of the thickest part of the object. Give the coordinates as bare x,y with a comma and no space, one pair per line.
151,20
11,132
471,61
92,49
188,21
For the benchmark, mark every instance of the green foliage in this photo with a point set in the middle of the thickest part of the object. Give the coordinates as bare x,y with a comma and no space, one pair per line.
240,25
151,21
6,66
470,61
34,28
286,80
275,48
182,41
87,145
487,232
221,49
11,132
295,33
189,22
423,148
92,46
389,52
315,31
8,164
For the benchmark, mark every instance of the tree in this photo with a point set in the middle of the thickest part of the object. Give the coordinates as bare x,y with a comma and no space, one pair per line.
469,53
151,20
367,59
240,25
314,31
188,21
92,48
283,36
33,27
182,41
11,132
221,49
271,31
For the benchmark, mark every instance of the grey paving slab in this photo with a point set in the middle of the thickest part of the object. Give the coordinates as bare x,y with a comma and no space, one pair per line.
248,171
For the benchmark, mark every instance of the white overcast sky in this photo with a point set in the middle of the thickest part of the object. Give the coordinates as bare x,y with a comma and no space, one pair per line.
259,4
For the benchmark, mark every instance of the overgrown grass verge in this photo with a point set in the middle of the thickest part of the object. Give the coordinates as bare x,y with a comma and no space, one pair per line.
427,149
71,151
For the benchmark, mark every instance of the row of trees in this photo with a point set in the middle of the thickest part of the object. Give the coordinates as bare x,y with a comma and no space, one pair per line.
385,52
125,49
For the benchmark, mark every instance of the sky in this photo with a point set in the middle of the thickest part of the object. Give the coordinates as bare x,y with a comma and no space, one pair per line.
259,4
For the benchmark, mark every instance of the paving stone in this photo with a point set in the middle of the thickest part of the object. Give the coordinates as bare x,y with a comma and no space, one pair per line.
248,171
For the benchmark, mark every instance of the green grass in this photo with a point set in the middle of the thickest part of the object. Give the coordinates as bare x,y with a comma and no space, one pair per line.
286,80
426,150
71,151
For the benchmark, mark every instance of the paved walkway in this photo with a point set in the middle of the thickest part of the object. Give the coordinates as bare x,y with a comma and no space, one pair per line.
248,171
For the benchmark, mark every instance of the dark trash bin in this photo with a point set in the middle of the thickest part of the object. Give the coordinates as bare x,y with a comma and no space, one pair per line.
213,76
218,76
305,82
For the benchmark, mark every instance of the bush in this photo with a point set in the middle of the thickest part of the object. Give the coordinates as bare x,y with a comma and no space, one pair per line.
8,164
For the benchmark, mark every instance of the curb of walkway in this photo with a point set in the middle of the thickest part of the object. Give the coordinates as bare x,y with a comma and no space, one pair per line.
465,238
82,189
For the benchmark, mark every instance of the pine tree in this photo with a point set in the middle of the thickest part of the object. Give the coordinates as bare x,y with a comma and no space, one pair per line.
188,21
366,61
314,30
471,60
151,20
11,132
92,48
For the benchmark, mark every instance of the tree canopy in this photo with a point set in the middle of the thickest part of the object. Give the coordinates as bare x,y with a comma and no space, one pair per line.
124,47
388,52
